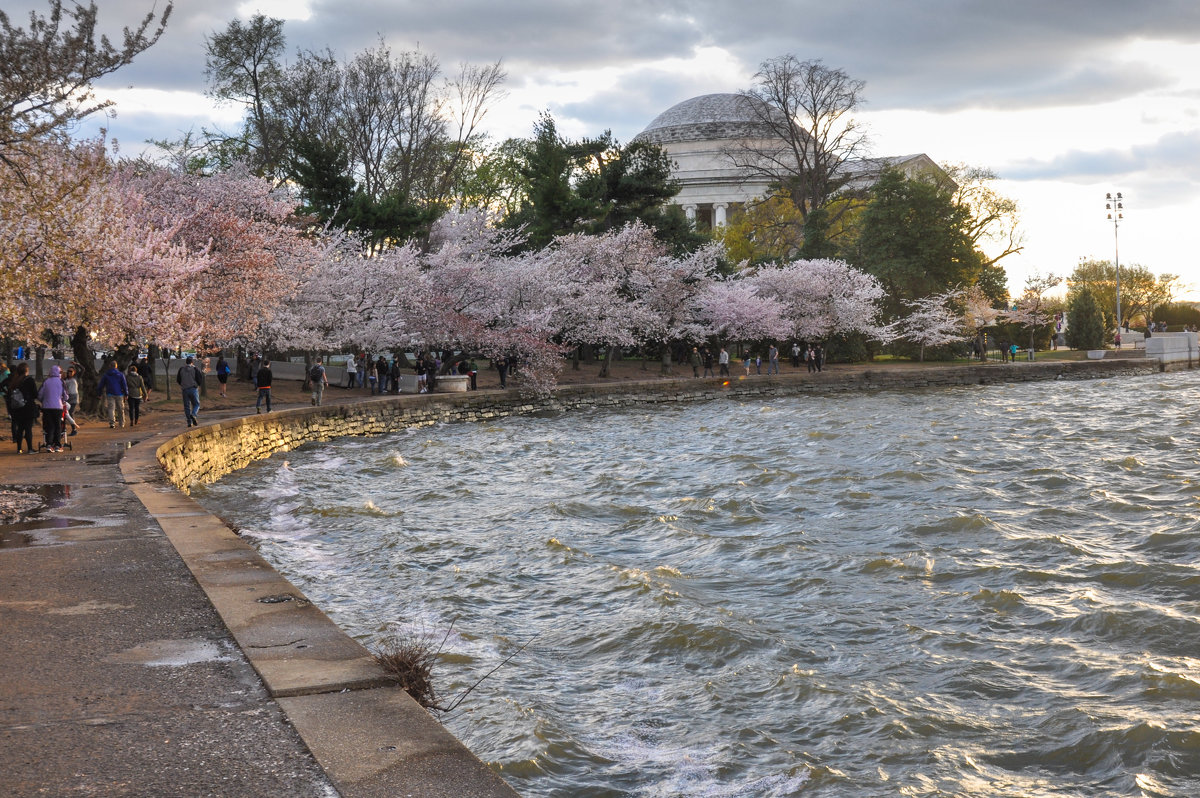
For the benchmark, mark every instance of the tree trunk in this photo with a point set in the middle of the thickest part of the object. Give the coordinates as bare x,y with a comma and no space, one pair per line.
81,350
665,368
608,359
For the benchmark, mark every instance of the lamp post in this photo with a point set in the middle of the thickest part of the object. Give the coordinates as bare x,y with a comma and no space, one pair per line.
1115,206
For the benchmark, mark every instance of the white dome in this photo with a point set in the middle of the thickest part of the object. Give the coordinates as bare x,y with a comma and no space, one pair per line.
707,118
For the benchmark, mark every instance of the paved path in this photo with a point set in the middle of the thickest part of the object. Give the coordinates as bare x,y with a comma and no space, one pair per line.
119,678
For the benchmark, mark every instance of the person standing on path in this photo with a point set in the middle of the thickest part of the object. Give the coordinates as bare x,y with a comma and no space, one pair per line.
796,355
262,382
723,362
708,362
113,389
502,367
53,397
773,360
318,378
189,378
351,372
137,392
22,406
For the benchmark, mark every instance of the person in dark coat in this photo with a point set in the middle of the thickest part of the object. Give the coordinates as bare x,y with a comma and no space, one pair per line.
24,408
262,381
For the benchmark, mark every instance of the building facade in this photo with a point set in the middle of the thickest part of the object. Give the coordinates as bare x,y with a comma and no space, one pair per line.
698,133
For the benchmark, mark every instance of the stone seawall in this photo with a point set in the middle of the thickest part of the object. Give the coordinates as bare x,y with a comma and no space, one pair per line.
205,454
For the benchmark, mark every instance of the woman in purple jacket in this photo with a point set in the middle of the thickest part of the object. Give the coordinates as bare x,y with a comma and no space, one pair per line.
53,398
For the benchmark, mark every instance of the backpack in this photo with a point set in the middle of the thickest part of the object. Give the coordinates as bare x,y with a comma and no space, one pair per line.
314,374
16,399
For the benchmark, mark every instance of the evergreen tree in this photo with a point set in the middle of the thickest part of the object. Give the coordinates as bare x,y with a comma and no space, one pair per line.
1085,321
914,239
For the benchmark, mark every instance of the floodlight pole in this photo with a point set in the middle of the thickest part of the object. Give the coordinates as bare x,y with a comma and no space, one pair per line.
1115,207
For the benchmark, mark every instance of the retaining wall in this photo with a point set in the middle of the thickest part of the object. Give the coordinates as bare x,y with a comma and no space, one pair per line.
207,453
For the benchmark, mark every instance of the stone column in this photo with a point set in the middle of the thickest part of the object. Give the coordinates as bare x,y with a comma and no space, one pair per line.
719,213
690,212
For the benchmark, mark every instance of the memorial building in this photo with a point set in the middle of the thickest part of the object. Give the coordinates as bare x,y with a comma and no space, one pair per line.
698,133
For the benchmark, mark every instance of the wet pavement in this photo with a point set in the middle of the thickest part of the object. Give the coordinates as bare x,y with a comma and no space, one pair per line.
117,676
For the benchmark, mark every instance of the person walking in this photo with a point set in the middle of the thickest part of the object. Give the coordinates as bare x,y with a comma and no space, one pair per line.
190,378
222,373
795,355
723,362
351,372
53,398
318,378
113,389
694,360
22,406
263,383
137,392
707,355
71,383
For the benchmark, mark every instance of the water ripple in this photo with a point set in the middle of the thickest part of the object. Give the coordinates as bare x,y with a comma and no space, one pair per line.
983,591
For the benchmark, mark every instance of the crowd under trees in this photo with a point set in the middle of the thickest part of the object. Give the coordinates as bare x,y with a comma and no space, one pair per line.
361,207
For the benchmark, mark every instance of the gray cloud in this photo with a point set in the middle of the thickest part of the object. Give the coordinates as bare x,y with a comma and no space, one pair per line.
939,55
1160,173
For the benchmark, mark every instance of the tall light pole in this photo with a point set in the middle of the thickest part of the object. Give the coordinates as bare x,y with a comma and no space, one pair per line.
1115,206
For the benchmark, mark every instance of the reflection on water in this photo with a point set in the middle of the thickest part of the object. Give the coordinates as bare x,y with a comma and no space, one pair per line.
986,591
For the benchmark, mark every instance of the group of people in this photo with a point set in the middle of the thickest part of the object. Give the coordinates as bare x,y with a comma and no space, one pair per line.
55,398
122,391
702,358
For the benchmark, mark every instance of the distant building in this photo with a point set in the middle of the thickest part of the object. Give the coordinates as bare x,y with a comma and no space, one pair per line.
697,133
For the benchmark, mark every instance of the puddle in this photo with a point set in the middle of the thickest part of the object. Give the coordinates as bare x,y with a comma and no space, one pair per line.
111,456
170,653
22,511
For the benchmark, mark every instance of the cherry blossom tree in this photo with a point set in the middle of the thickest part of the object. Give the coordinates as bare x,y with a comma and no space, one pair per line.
824,297
735,309
1031,310
253,241
978,314
933,321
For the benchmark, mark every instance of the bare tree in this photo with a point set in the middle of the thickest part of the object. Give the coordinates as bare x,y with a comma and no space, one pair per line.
242,66
806,111
994,217
46,72
472,92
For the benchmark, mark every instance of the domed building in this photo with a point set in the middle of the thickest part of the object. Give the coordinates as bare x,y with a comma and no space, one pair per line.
698,133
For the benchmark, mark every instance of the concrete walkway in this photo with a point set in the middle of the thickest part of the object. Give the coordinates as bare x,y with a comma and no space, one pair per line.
118,677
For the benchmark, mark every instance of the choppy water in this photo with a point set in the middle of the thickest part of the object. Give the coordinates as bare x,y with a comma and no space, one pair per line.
986,591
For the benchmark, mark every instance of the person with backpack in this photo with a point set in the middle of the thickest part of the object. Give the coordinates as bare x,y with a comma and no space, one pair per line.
22,406
137,392
316,375
223,371
190,377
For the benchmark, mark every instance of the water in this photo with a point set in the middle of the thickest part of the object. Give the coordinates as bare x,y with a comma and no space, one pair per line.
987,591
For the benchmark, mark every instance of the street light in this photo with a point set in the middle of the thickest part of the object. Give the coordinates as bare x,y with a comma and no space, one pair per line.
1115,206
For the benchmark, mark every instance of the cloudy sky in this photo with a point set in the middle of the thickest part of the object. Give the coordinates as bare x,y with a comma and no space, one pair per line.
1064,99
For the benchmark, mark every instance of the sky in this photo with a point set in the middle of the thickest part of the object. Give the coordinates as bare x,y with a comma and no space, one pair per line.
1065,100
